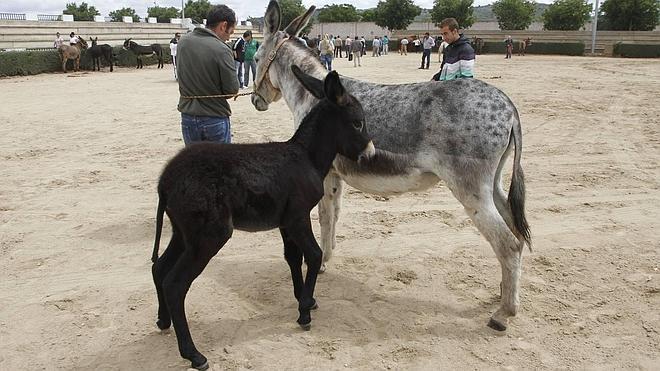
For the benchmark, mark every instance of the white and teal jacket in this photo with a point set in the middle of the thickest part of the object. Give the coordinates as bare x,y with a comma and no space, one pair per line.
458,61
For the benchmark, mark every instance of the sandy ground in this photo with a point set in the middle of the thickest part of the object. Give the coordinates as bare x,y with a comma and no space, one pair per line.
412,283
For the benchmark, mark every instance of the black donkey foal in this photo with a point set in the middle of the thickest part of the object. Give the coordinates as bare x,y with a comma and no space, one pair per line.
210,189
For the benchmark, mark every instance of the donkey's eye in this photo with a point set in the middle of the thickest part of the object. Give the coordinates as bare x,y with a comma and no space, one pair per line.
358,125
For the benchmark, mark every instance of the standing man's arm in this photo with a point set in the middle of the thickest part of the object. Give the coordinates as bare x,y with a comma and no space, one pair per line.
466,63
228,79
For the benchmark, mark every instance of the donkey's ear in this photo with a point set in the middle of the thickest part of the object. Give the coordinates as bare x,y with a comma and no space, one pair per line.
334,90
273,18
313,85
298,23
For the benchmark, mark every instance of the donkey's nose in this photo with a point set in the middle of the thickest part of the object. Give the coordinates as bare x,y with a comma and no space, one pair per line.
368,152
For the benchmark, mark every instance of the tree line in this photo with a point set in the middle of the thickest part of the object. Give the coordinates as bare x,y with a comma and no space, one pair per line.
195,9
616,15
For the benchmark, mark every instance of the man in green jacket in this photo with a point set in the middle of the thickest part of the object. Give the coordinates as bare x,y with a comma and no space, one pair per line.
205,64
251,46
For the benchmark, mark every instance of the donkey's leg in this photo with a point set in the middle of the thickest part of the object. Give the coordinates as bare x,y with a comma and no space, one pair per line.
329,208
199,251
294,258
302,236
477,199
159,271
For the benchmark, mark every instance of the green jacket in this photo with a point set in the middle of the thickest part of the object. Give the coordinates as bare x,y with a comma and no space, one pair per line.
251,49
205,66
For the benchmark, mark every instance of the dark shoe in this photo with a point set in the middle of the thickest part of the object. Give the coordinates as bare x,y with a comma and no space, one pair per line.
421,68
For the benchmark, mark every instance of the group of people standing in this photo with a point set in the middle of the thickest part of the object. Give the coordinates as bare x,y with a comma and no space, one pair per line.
244,49
330,47
59,40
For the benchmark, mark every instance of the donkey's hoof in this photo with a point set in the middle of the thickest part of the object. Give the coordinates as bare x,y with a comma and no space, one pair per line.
199,362
496,325
163,324
306,326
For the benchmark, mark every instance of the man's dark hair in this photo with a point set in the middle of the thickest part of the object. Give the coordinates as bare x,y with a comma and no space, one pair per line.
220,13
177,34
71,34
247,33
449,22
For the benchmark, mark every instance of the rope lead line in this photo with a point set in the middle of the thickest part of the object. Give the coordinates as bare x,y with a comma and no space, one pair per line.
225,96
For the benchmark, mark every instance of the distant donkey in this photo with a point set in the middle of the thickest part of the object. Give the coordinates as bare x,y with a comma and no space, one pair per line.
72,52
140,50
523,44
98,51
210,189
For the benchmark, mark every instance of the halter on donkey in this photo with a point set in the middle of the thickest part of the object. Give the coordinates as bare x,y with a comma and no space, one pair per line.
459,131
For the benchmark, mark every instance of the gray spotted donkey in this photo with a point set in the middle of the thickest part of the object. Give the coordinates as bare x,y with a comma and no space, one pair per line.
459,131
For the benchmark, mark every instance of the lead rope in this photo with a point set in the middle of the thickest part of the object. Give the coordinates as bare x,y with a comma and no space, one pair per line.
225,96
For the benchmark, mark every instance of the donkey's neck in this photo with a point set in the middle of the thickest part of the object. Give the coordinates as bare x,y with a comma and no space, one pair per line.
317,140
297,98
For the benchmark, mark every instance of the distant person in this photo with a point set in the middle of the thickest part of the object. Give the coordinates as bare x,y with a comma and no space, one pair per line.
327,52
251,46
417,43
385,45
239,58
338,47
347,46
441,49
356,50
458,61
403,48
508,44
375,47
73,39
59,41
205,65
173,45
428,43
363,41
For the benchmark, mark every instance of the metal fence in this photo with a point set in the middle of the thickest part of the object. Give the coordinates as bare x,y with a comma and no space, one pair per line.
12,17
49,17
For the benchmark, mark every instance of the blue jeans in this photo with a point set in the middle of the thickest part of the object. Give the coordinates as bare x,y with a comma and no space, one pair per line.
326,61
205,129
426,55
249,66
239,72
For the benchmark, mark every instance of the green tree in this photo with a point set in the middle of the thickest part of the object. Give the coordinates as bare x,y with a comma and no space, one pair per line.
117,15
290,10
338,13
83,12
368,15
630,15
163,14
514,14
462,10
566,15
197,10
396,14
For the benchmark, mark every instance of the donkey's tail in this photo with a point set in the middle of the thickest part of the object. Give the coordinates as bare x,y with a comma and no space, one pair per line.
159,226
517,188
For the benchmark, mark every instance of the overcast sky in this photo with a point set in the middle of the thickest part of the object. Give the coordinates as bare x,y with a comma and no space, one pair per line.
243,8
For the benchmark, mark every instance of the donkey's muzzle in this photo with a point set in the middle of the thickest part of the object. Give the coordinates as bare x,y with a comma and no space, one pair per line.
368,152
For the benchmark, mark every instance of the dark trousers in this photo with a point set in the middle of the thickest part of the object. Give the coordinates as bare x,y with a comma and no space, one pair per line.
426,55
